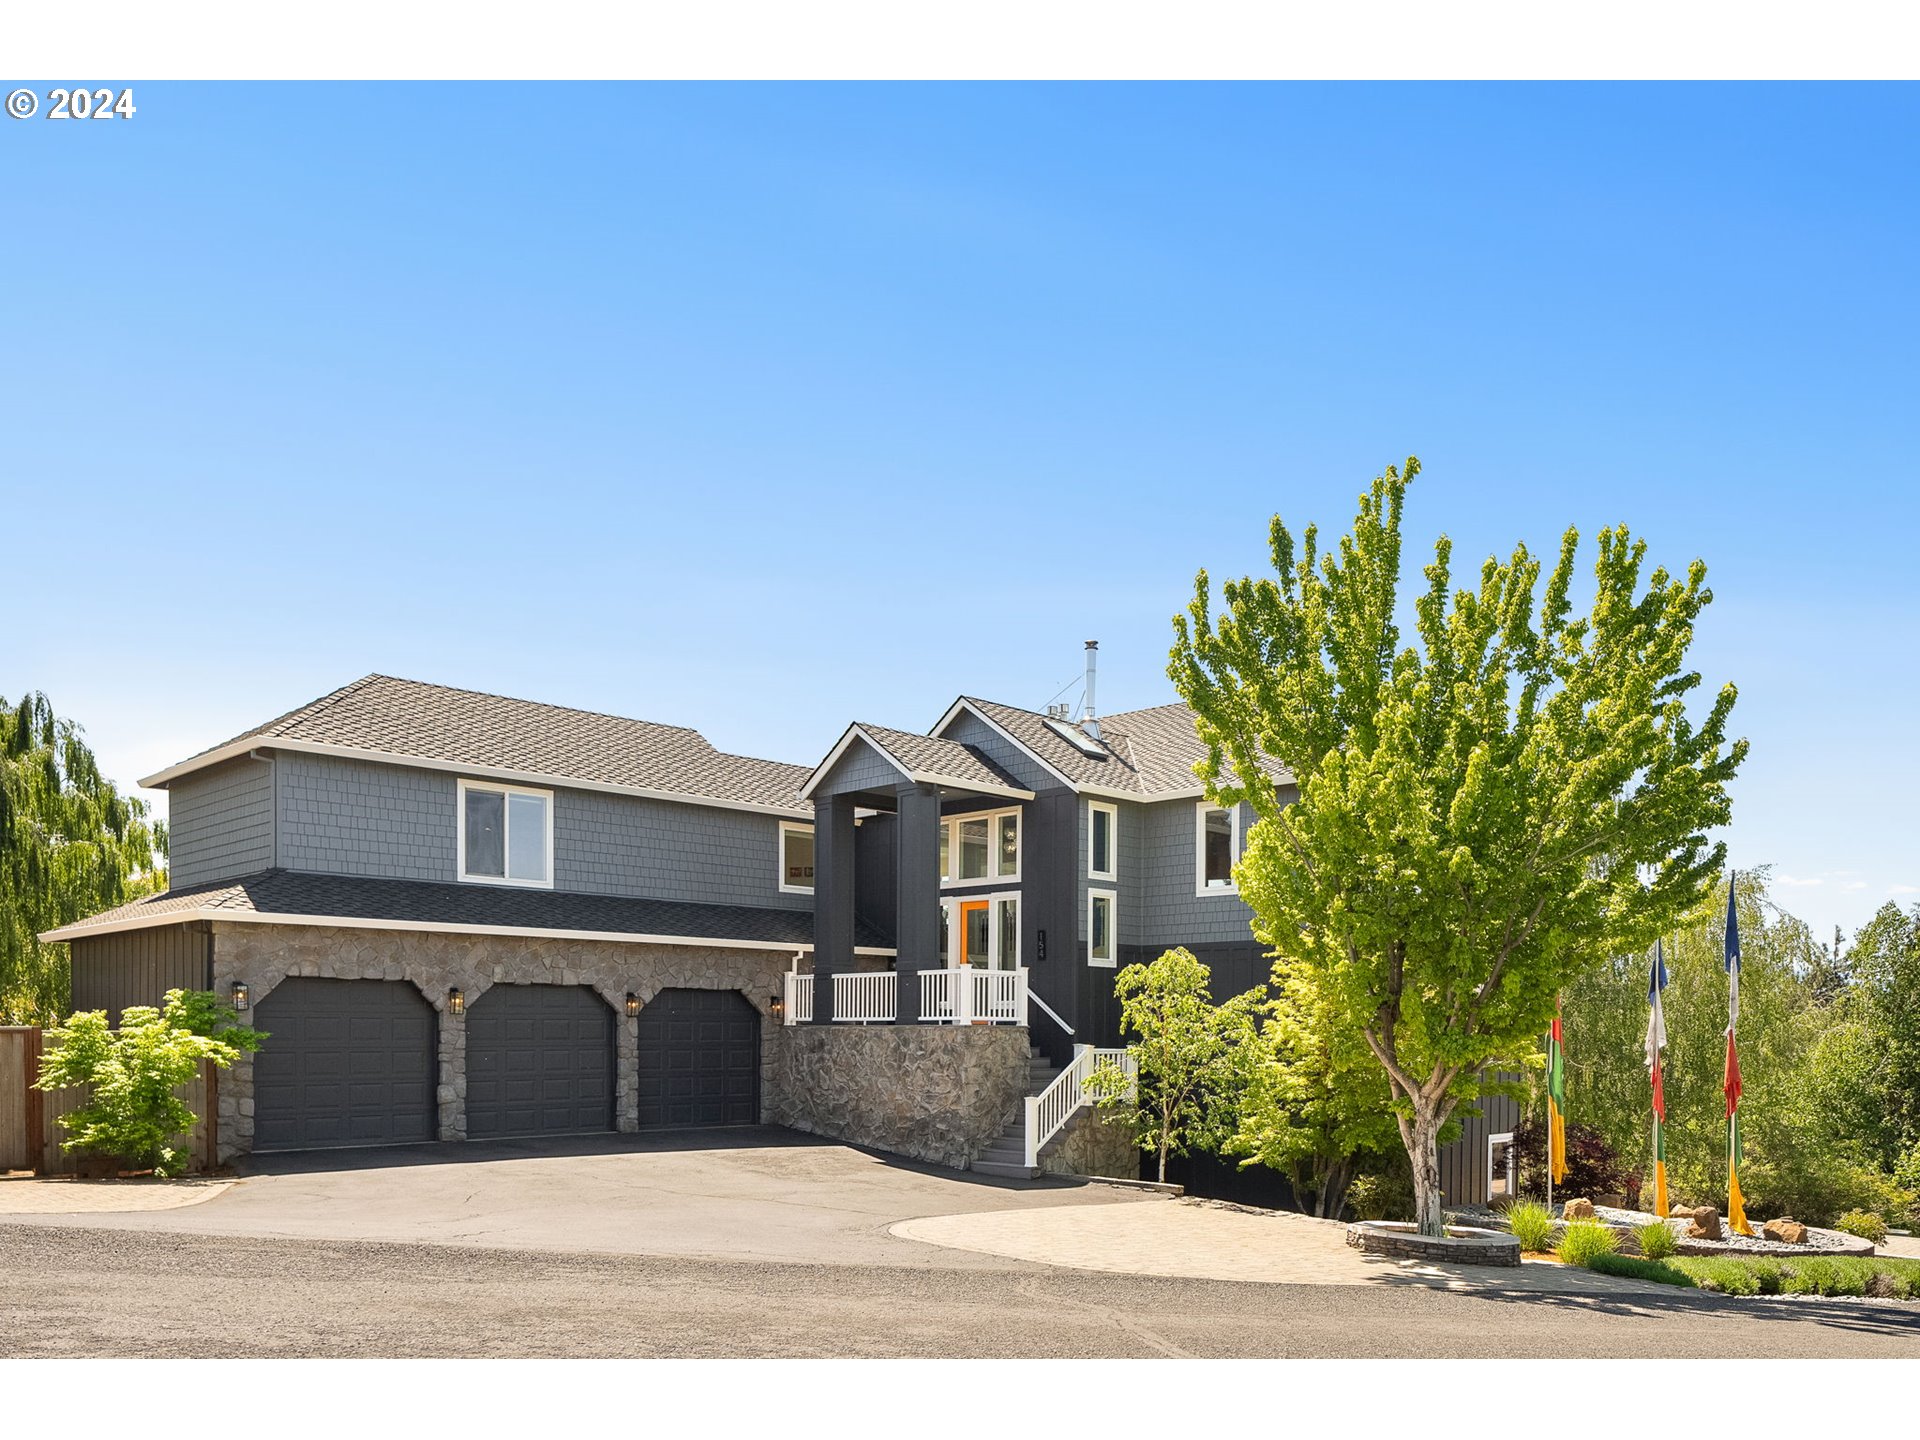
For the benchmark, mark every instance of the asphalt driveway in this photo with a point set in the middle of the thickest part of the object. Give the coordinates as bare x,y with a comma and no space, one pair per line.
739,1194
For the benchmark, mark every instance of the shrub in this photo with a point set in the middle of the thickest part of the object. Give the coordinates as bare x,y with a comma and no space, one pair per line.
132,1113
1826,1275
1721,1273
1636,1269
1583,1240
1532,1225
1657,1240
1381,1197
1593,1169
1865,1224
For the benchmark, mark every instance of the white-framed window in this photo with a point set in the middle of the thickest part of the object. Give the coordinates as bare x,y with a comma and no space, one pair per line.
1501,1167
1103,914
1216,846
505,834
1103,841
980,846
981,930
796,858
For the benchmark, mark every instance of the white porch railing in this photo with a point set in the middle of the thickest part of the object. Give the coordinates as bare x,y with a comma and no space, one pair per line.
971,994
799,998
870,997
1050,1110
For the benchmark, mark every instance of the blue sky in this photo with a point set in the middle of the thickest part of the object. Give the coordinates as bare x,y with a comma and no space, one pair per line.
761,409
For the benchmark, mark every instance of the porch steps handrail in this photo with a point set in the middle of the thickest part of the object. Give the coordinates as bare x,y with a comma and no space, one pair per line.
1049,1111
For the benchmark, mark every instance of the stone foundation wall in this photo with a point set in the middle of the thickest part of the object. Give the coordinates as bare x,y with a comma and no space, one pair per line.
930,1092
261,956
1092,1143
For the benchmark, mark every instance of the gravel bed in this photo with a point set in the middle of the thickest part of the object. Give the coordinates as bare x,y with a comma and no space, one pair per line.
1819,1242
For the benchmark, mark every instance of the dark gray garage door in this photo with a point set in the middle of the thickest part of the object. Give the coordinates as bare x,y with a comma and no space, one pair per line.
539,1061
699,1059
346,1062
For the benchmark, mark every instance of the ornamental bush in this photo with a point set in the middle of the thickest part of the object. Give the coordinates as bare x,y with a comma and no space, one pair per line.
1657,1240
1581,1241
1532,1225
132,1112
1865,1224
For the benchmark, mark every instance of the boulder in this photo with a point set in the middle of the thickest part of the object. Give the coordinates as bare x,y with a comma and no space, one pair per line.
1786,1230
1706,1224
1578,1208
1680,1210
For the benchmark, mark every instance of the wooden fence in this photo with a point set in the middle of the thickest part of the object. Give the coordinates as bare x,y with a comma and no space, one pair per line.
30,1132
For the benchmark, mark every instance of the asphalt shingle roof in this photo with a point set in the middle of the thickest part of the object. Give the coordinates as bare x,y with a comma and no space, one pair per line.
290,895
933,755
1149,752
466,727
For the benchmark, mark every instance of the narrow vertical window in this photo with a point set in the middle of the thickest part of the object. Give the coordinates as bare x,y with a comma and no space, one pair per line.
1101,946
973,850
1007,852
1216,846
1102,828
1007,911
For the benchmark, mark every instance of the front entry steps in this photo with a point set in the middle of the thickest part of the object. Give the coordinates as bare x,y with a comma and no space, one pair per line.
1005,1156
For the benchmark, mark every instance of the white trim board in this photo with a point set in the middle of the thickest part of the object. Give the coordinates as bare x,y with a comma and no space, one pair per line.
81,930
856,731
160,779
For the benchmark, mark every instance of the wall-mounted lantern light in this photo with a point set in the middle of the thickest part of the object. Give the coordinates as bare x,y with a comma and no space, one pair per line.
240,995
457,1000
779,1007
633,1005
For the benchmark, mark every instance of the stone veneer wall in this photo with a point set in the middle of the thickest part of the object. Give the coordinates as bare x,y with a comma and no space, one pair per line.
1092,1143
930,1092
262,956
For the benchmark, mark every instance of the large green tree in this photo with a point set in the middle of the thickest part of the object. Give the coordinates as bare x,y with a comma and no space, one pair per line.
1483,808
70,845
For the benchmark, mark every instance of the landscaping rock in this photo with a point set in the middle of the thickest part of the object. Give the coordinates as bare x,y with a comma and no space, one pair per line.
1578,1208
1786,1230
1680,1211
1706,1224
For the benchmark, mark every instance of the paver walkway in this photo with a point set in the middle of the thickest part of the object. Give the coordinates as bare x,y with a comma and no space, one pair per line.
102,1197
1194,1239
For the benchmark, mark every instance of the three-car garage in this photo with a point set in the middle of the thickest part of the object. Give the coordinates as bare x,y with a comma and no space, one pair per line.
355,1063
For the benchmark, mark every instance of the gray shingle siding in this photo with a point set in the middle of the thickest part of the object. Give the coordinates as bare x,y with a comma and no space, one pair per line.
1158,906
861,768
396,822
221,822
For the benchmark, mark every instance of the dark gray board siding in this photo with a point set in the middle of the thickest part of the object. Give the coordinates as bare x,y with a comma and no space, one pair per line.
138,967
1463,1162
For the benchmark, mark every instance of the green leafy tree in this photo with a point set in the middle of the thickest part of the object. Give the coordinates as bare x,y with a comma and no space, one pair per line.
132,1111
1480,813
1318,1116
70,846
1190,1053
1885,999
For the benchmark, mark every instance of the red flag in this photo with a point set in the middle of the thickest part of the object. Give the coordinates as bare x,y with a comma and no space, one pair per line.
1731,1084
1659,1095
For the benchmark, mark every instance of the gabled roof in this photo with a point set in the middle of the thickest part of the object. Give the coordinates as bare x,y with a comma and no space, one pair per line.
924,759
1148,754
286,897
407,720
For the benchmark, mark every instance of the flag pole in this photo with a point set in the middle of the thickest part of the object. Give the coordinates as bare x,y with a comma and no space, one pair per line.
1736,1207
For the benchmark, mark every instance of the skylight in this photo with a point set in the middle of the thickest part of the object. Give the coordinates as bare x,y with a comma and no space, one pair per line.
1078,738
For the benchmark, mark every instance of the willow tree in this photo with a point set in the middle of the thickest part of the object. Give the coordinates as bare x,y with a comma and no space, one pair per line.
70,845
1483,808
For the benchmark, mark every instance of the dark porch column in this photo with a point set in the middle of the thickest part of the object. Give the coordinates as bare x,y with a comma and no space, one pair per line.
916,881
832,899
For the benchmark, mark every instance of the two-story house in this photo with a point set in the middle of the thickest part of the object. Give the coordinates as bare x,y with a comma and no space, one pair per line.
464,916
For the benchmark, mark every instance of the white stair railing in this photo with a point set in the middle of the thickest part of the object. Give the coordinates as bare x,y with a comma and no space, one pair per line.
868,997
1049,1111
798,998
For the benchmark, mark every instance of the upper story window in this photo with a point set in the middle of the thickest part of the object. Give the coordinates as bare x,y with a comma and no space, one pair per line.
796,858
1216,848
980,846
1103,838
506,834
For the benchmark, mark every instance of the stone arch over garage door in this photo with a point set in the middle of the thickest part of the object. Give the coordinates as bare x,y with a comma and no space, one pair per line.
346,1063
699,1061
540,1061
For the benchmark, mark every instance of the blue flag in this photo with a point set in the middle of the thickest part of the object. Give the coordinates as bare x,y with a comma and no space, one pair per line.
1733,959
1656,1040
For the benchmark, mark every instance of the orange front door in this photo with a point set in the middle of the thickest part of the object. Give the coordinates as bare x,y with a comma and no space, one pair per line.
974,946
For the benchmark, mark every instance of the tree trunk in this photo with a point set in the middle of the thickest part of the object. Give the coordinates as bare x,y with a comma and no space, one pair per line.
1423,1149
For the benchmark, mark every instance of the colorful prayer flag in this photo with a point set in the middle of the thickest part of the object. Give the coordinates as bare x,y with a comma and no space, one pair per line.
1556,1100
1730,1083
1656,1041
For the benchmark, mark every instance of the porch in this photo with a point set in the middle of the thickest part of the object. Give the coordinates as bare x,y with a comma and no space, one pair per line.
963,995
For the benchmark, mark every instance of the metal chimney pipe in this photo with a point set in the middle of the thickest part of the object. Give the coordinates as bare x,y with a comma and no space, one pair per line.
1090,722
